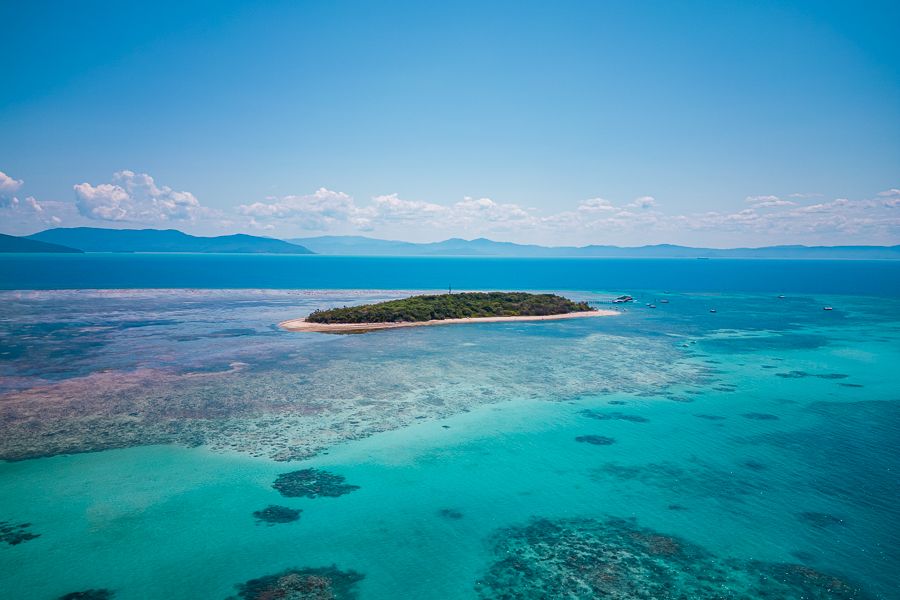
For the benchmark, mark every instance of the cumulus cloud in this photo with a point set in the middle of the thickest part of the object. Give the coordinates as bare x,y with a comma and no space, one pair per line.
136,197
23,215
8,186
762,219
768,218
643,202
319,211
767,201
326,210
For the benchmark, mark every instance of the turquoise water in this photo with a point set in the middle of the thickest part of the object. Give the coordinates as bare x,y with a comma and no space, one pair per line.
147,426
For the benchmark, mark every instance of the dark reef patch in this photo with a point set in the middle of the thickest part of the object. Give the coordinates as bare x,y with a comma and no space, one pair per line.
802,374
700,479
312,483
710,417
321,583
16,534
818,519
803,555
617,402
274,514
613,416
793,375
93,594
851,385
596,440
754,465
760,416
450,513
615,558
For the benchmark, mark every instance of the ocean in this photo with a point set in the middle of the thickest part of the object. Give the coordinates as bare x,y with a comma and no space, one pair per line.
159,433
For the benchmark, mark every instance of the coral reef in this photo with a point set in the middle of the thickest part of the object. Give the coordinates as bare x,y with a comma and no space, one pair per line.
312,483
16,534
710,417
93,594
582,559
700,479
201,368
597,440
322,583
274,514
450,513
613,416
818,519
756,416
803,374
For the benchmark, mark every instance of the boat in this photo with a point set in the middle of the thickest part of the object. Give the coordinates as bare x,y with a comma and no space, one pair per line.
827,308
712,310
664,301
651,306
623,299
781,297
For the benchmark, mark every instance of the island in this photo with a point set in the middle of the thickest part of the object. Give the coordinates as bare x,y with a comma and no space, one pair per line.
441,309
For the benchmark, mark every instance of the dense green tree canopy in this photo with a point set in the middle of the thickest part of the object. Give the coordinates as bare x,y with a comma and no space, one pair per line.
451,306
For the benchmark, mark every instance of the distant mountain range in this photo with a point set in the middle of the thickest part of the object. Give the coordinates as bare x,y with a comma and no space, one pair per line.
11,243
364,246
93,239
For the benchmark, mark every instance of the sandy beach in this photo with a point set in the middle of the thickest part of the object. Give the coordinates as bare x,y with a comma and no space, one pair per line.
303,325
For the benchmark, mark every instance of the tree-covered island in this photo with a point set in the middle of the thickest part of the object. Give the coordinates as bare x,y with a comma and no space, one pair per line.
440,307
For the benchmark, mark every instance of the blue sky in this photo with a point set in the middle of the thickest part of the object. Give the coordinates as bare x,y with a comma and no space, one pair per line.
706,123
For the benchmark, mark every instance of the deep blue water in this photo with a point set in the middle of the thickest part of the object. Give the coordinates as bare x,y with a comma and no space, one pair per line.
233,271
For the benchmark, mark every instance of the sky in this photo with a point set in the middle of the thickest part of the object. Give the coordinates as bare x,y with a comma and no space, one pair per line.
563,123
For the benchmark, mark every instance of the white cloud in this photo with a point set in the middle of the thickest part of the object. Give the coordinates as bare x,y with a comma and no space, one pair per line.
768,201
25,215
319,211
643,202
136,197
326,210
8,186
764,219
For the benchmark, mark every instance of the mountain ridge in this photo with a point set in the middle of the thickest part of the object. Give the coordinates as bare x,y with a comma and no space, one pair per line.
95,239
13,243
361,245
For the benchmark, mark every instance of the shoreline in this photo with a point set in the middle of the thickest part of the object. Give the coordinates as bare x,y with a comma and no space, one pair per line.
302,325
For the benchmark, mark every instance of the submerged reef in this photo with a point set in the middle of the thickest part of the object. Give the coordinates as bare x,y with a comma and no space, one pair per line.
617,559
698,479
274,514
597,440
16,534
277,396
312,483
760,416
818,519
93,594
803,374
321,583
711,417
450,513
613,416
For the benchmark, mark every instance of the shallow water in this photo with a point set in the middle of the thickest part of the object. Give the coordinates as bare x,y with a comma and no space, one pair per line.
766,431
